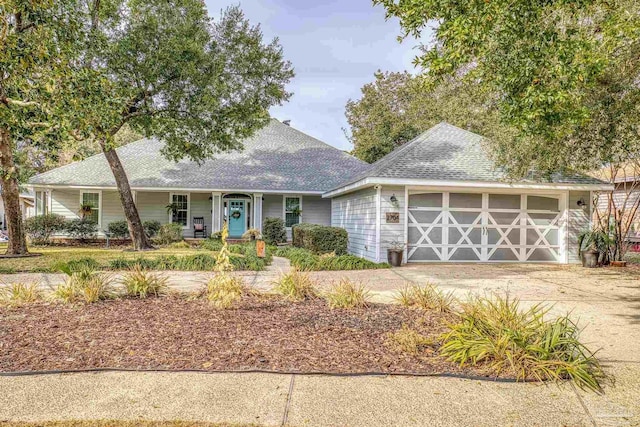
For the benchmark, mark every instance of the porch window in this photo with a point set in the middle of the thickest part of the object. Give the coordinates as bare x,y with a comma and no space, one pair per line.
292,210
91,202
180,204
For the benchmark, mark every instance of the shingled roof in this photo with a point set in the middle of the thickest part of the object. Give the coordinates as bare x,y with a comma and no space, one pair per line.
448,153
276,158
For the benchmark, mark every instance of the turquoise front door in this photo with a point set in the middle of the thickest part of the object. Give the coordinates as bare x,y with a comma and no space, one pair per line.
237,218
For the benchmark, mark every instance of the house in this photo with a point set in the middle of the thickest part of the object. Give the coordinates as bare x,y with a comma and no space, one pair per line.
440,194
26,207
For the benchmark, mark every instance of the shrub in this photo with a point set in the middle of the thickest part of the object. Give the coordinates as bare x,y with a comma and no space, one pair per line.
407,340
223,291
169,233
85,285
426,297
197,262
75,265
126,264
16,294
81,229
320,239
118,229
142,283
496,332
41,227
151,228
347,294
273,231
180,245
212,244
304,259
296,286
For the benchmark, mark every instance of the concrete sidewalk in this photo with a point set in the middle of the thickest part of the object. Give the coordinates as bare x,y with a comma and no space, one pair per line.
298,400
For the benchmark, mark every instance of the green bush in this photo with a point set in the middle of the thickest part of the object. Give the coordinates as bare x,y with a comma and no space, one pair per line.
273,231
75,265
495,332
41,227
169,233
81,229
151,228
320,239
212,244
118,229
304,259
197,262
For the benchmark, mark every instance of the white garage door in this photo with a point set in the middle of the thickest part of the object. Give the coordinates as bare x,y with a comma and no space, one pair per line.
445,226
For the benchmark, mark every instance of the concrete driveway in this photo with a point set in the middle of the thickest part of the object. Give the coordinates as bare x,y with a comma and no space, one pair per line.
605,301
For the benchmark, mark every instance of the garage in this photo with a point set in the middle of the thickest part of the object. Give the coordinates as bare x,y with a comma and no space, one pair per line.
459,226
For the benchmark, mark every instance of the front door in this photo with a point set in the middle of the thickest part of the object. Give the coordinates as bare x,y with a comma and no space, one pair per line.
237,218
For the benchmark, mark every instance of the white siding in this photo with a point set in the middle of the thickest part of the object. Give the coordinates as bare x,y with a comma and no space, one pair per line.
356,213
272,206
65,203
200,206
152,206
316,210
391,232
579,221
111,208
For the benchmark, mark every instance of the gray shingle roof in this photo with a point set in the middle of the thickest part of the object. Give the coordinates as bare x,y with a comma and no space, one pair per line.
448,153
276,158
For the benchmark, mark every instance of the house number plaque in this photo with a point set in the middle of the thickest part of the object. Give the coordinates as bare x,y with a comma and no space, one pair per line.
393,217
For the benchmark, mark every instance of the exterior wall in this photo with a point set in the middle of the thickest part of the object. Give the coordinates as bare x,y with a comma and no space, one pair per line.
272,206
390,232
152,206
316,210
579,221
111,208
356,213
65,203
200,206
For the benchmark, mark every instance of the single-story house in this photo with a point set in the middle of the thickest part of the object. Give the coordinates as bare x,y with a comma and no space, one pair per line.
26,207
439,194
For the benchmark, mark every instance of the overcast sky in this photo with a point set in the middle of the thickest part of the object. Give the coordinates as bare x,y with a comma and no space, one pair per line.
335,47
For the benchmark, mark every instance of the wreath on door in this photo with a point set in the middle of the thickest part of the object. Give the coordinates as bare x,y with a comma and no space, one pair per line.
235,214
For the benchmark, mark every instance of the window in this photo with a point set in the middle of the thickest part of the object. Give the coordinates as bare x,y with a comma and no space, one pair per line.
180,206
292,211
90,206
41,202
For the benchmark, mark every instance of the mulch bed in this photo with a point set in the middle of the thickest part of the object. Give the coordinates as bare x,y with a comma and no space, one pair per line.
177,333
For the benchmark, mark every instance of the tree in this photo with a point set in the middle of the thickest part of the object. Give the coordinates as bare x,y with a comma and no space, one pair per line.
37,38
548,64
167,70
396,107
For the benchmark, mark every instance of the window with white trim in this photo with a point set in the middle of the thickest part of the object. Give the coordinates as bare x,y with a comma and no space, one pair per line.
41,202
90,206
180,206
292,211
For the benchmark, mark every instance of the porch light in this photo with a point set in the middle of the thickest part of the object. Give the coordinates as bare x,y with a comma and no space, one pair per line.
394,199
581,202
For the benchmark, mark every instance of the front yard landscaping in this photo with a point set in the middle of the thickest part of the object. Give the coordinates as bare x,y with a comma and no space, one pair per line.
177,256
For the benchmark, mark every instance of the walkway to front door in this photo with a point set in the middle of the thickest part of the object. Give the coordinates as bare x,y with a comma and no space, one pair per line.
237,218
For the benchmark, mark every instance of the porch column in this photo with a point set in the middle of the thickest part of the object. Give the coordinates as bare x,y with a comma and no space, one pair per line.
216,221
257,211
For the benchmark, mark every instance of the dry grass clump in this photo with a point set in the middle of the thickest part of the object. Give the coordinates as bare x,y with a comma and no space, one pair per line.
17,294
347,294
407,340
495,331
224,290
85,285
141,283
296,286
427,297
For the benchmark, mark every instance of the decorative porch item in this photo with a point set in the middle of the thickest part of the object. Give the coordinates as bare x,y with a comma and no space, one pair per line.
199,227
395,252
261,248
252,234
236,214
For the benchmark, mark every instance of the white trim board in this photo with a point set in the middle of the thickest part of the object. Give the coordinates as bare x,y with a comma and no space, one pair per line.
413,182
174,189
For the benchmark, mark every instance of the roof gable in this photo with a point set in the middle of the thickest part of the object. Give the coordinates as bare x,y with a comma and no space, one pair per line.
449,153
277,158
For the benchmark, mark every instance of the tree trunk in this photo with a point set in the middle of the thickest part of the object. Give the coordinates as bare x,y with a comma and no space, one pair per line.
136,231
11,197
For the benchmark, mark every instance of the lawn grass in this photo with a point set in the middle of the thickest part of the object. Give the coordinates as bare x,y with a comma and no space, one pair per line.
53,255
118,423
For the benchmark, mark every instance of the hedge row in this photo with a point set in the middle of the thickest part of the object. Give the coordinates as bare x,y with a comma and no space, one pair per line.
306,260
320,239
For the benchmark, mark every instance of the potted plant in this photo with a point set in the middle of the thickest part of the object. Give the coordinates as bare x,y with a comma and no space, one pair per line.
172,208
85,209
252,234
593,248
395,252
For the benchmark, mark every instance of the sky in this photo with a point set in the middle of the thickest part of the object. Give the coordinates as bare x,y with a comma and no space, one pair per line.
335,48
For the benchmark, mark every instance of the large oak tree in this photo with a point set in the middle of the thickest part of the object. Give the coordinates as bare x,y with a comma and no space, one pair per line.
167,70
